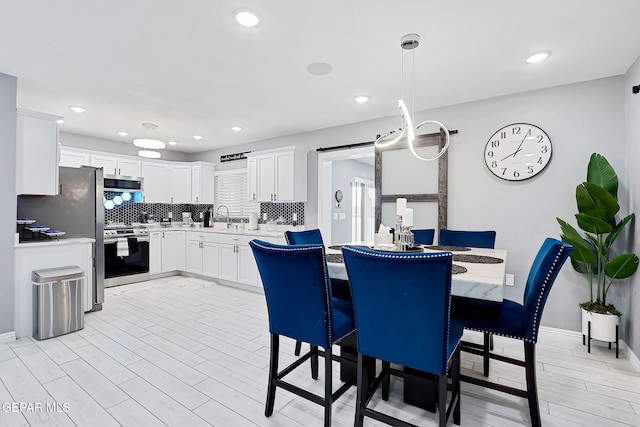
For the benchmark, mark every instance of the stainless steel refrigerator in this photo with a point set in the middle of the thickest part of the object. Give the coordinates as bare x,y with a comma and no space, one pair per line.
78,211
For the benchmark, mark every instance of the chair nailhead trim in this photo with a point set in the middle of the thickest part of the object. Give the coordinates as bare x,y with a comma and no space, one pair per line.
547,279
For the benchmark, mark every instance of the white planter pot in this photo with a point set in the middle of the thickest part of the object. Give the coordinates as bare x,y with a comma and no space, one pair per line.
603,326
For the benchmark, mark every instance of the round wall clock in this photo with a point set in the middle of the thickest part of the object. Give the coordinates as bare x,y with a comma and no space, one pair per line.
338,196
517,152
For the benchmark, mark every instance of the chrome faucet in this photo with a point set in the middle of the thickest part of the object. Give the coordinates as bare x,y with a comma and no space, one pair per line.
218,210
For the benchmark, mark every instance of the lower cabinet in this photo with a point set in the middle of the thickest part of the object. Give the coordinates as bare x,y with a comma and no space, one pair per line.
202,253
166,251
237,263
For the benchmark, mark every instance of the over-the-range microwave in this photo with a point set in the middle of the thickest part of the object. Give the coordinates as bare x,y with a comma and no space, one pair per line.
123,183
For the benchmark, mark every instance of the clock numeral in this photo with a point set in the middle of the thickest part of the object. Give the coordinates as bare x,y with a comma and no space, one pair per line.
516,174
495,144
503,134
490,153
515,130
540,138
529,169
544,149
494,164
504,170
539,161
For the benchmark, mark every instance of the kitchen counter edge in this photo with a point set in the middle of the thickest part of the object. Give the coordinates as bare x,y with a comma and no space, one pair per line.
62,241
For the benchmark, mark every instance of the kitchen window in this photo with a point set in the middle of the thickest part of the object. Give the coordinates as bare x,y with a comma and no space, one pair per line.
231,191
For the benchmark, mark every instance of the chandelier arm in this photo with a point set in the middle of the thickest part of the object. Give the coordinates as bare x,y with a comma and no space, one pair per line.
444,149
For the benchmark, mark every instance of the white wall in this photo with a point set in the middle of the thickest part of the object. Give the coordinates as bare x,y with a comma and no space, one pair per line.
580,119
8,90
632,126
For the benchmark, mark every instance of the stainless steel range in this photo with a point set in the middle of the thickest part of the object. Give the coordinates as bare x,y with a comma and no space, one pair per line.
126,254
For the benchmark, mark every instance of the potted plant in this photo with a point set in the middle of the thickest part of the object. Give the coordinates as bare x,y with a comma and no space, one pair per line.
592,255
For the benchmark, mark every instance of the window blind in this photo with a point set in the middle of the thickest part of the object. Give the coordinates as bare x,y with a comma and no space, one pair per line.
231,191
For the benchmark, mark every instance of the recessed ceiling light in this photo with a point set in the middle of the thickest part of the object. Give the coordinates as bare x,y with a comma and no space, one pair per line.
78,109
361,99
538,57
247,19
197,137
236,128
60,121
319,68
122,133
173,143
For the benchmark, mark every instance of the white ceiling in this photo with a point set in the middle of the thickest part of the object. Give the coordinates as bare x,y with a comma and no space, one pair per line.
188,67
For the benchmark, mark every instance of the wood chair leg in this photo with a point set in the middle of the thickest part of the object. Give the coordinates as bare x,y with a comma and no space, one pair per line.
485,355
361,392
442,400
298,348
273,375
455,378
386,380
532,389
314,362
328,386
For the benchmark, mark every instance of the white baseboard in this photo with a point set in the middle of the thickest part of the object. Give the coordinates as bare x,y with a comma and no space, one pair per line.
635,362
7,337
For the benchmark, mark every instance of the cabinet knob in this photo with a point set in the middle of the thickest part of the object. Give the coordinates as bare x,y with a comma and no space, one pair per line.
118,171
254,196
197,199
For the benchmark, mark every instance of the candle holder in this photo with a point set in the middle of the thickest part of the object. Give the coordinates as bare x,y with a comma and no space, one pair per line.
404,238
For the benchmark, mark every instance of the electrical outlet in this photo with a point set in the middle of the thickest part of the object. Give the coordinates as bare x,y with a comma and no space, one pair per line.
343,215
335,215
509,280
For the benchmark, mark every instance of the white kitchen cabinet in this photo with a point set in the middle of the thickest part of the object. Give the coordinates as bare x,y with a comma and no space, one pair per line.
37,153
252,178
277,175
237,263
155,252
74,159
181,247
202,254
156,181
179,183
202,183
116,165
164,251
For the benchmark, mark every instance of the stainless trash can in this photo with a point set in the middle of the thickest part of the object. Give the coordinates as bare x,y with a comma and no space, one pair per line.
57,301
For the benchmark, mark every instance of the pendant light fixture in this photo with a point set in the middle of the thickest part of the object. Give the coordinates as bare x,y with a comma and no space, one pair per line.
410,42
149,146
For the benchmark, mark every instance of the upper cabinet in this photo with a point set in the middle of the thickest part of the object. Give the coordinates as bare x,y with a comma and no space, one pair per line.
37,153
155,176
74,159
180,183
202,183
277,175
116,165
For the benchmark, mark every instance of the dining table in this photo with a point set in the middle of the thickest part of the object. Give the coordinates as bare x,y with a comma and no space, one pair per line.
477,273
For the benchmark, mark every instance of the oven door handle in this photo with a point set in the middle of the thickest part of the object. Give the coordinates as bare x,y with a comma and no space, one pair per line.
111,240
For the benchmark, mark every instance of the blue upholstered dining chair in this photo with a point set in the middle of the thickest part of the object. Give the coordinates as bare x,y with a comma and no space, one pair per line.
300,306
340,288
474,239
424,237
401,303
515,320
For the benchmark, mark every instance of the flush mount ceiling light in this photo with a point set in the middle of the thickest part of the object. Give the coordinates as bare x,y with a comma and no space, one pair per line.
319,68
236,128
198,137
152,144
247,19
410,42
122,133
361,99
537,57
149,154
77,109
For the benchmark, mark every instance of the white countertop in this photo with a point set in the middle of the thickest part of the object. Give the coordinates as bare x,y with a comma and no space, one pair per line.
261,232
54,242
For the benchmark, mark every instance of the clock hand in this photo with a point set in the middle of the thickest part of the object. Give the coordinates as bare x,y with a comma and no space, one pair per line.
519,147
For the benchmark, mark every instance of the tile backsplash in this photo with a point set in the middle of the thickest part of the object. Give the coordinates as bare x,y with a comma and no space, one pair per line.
130,211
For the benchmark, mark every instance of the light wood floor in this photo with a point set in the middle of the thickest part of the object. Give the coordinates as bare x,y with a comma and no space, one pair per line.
185,352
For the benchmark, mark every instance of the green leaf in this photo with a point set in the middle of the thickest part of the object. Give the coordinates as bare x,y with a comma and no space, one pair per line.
593,224
583,268
602,174
596,201
617,230
622,266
